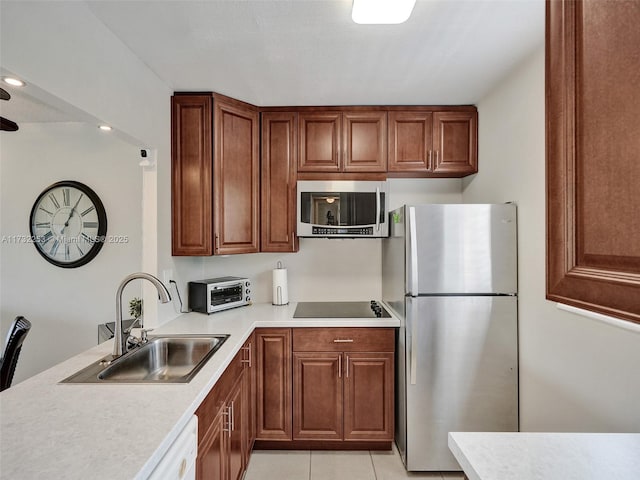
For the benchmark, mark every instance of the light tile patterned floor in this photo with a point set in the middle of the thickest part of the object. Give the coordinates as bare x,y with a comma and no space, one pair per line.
333,465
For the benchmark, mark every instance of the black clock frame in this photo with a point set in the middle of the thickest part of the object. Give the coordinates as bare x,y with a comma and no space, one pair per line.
102,223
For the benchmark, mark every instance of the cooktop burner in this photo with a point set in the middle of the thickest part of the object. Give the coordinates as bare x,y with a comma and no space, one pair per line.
370,309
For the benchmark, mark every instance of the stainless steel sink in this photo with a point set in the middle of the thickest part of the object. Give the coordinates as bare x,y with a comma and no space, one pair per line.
167,359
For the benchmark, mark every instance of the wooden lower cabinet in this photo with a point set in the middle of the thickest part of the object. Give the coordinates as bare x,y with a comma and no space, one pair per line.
224,424
273,386
336,393
249,388
317,395
212,459
368,396
343,395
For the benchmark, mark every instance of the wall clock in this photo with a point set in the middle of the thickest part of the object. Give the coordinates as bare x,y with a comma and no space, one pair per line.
68,224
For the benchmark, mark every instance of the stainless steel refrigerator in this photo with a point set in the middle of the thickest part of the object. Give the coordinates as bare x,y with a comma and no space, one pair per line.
450,273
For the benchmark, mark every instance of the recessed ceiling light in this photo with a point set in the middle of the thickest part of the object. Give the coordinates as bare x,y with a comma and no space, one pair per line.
13,81
106,128
381,11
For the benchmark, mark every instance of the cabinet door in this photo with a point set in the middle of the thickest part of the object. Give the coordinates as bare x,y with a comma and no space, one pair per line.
279,164
455,144
317,396
368,396
211,463
592,167
273,363
319,142
191,200
236,178
364,135
410,141
235,403
249,386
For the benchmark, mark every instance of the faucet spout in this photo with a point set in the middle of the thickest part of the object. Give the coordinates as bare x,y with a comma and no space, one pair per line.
163,295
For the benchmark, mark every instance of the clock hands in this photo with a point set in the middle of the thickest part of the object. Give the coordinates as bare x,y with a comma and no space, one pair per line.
73,209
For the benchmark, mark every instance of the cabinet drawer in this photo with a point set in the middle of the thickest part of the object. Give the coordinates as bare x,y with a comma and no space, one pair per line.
343,339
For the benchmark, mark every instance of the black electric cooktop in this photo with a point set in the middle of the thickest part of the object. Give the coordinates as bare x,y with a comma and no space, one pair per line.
370,309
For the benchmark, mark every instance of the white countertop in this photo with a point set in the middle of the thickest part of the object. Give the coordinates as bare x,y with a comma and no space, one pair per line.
98,431
547,456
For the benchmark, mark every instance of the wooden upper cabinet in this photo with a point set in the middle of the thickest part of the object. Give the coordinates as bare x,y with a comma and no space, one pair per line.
343,141
365,141
438,143
410,141
279,175
236,177
455,143
593,172
215,182
320,144
191,175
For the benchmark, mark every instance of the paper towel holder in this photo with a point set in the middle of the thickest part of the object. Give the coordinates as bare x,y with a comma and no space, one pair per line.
280,297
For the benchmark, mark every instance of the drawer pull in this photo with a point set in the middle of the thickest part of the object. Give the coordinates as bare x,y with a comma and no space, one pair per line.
343,340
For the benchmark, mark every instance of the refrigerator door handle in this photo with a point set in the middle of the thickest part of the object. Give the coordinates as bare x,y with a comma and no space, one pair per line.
413,257
411,328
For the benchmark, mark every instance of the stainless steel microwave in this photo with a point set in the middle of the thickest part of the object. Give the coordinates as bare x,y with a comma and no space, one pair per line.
343,208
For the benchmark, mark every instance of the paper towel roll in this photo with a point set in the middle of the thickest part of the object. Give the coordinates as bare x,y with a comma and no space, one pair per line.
280,290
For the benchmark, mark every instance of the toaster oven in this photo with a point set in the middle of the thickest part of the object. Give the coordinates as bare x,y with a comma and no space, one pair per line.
216,294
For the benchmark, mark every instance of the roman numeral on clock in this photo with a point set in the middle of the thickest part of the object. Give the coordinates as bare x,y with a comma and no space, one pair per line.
54,200
90,224
46,237
87,238
66,193
88,210
43,224
54,248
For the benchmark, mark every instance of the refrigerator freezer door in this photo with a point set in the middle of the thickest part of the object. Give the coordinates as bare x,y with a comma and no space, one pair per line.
461,249
461,374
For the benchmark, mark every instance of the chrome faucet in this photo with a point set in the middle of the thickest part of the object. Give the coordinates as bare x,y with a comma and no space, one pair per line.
163,294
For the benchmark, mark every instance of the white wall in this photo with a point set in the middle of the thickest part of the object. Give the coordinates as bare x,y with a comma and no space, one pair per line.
323,269
576,374
62,48
65,305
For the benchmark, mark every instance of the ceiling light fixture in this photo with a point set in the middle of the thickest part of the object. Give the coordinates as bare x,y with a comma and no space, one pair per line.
13,81
105,128
381,11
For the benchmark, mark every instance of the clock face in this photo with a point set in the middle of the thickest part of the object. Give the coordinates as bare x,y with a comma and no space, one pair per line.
68,224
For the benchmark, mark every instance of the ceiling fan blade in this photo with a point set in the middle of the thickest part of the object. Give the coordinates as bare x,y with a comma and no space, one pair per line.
4,95
7,125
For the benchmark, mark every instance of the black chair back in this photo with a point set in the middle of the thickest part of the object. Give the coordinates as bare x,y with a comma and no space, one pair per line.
17,333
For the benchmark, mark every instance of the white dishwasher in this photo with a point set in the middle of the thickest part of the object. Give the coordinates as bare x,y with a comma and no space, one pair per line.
179,462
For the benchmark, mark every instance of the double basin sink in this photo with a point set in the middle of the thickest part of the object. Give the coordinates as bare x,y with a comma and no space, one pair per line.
163,359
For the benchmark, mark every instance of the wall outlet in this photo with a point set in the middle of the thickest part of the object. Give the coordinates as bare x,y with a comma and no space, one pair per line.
166,276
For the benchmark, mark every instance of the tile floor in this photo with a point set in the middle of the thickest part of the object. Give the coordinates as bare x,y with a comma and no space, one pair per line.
332,465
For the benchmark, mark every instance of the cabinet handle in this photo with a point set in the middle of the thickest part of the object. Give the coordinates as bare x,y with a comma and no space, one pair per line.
343,340
429,160
347,365
227,414
217,241
436,164
340,366
233,421
248,360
